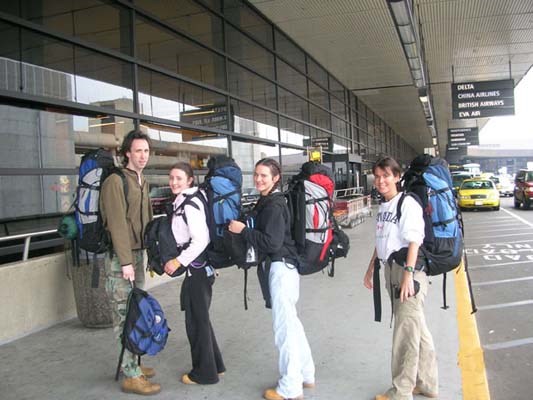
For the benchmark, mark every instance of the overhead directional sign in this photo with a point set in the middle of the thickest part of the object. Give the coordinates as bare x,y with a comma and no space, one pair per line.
463,137
482,99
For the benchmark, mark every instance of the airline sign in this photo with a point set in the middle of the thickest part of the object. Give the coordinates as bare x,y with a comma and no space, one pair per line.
463,137
482,99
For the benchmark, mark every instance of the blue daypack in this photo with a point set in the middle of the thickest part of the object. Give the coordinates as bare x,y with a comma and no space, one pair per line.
145,329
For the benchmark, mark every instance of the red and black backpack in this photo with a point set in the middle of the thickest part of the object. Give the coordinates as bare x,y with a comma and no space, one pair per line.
319,240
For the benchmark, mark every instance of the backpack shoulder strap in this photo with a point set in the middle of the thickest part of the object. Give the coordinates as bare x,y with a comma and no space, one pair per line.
189,201
399,205
120,173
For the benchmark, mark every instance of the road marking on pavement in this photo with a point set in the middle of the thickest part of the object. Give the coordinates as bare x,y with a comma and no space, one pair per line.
500,243
510,343
525,278
498,236
498,265
505,305
518,217
501,230
470,357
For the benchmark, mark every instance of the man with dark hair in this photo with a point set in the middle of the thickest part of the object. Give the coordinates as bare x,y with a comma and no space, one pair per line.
126,210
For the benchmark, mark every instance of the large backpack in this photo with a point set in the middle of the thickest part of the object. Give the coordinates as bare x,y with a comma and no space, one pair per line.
95,167
319,240
222,187
429,181
145,328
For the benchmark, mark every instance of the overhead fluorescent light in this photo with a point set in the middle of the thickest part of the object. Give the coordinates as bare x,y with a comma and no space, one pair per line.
401,12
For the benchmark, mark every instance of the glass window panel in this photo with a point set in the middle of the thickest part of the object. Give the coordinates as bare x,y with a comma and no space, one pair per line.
338,108
336,88
291,78
292,160
250,86
288,50
339,126
164,48
48,66
249,53
254,121
317,73
100,22
319,117
293,132
292,105
171,144
242,15
164,97
9,57
214,4
340,145
39,139
103,81
188,16
248,153
318,95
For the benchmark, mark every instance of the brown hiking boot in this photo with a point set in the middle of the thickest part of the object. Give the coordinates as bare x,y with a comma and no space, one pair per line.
140,385
148,372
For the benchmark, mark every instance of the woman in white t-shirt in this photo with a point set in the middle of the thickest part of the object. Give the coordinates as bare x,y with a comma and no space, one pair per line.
414,364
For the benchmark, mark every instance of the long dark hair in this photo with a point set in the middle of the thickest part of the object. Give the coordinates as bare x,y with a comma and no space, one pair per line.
185,167
275,170
128,140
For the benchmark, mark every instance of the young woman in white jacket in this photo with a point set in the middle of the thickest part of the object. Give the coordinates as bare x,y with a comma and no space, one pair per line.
190,230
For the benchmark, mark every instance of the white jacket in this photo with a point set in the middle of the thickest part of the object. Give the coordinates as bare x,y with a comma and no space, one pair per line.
195,230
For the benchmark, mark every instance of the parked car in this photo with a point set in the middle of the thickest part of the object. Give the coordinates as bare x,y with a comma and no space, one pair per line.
523,190
478,193
458,178
506,187
160,196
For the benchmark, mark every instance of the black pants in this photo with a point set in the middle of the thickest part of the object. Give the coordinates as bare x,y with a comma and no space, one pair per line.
196,293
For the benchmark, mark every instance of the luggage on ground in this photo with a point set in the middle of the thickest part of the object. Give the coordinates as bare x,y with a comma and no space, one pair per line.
145,329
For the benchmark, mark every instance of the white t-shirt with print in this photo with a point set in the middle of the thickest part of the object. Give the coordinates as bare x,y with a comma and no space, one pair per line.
393,235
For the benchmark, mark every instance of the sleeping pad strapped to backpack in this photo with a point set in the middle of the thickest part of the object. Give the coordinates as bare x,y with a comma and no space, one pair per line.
318,238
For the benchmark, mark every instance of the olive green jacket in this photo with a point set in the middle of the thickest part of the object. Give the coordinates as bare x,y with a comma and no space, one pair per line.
125,223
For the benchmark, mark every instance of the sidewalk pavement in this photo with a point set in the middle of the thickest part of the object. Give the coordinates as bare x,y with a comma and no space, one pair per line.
351,351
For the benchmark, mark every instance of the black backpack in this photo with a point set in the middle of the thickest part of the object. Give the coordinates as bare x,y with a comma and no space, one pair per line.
319,239
95,167
160,245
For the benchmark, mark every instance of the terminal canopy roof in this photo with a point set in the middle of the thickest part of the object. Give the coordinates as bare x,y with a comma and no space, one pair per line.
464,41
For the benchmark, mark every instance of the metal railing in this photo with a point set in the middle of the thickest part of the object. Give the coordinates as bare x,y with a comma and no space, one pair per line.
27,240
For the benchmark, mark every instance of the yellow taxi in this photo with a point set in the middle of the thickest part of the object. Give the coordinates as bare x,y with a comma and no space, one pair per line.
478,193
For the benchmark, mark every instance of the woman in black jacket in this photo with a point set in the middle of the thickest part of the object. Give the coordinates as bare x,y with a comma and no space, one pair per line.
271,237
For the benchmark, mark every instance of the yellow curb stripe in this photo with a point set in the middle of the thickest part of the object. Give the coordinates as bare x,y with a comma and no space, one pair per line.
470,357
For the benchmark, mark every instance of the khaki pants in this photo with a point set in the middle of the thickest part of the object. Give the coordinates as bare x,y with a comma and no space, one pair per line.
118,289
414,360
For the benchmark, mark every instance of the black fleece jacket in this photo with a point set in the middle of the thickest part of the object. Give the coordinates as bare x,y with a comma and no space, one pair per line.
271,235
